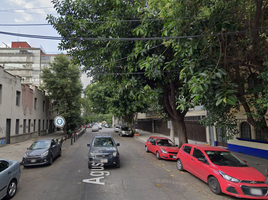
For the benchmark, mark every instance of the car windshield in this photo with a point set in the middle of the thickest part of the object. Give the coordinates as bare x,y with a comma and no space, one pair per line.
225,158
40,145
165,142
125,128
103,142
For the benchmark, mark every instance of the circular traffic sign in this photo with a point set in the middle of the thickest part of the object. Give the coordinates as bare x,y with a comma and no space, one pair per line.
59,121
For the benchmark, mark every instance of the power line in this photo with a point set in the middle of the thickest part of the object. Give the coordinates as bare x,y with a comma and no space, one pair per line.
124,39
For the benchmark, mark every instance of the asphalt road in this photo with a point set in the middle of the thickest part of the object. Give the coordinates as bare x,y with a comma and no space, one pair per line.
141,176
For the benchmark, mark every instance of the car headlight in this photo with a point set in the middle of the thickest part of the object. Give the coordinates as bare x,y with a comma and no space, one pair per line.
123,132
44,154
228,178
114,154
25,155
163,151
92,154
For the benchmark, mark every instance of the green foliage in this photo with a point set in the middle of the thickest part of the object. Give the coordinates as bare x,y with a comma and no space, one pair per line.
62,84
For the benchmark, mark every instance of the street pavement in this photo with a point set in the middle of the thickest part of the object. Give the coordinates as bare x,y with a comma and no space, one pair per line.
17,150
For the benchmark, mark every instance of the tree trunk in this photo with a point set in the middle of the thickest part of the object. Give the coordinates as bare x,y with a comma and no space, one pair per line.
172,136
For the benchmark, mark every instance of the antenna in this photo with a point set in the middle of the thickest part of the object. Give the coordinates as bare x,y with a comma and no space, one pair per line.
6,45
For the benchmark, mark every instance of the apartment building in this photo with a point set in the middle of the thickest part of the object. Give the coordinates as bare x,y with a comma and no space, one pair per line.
24,110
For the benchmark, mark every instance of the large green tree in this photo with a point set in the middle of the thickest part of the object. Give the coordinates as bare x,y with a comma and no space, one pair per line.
62,84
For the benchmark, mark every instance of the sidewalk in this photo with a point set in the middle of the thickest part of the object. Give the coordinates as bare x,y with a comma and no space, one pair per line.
16,151
258,163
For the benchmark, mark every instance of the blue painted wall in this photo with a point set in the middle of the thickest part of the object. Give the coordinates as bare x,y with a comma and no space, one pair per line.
249,151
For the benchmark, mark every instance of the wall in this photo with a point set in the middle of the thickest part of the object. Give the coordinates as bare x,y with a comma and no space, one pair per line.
24,118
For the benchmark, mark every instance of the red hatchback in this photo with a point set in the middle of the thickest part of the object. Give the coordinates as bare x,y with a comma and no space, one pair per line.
223,171
162,147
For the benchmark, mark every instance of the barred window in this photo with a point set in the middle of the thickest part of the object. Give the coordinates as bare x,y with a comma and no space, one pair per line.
259,136
245,130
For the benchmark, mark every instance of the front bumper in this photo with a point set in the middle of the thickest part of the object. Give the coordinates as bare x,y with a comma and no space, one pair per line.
245,190
168,156
106,161
34,161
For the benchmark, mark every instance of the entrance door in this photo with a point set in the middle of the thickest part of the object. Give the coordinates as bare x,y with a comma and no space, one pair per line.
8,125
221,133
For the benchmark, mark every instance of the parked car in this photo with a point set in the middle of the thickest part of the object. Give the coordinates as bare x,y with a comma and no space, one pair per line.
42,152
95,128
117,128
9,178
162,147
125,130
103,149
223,171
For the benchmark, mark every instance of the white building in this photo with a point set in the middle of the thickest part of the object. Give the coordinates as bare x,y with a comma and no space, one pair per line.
24,110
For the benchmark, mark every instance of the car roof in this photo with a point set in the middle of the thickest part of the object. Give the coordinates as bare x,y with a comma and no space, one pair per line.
161,138
49,139
206,147
103,136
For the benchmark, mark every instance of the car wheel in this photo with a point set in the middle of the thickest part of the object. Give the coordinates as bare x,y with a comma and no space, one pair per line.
89,166
50,160
12,189
118,164
146,149
214,185
158,156
179,165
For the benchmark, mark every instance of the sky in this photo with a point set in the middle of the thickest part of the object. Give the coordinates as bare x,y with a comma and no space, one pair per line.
21,12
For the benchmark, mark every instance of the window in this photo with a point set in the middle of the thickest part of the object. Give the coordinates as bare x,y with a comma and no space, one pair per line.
24,126
17,126
47,124
43,124
29,126
34,125
18,98
245,130
35,102
198,154
0,93
43,105
3,165
187,149
259,136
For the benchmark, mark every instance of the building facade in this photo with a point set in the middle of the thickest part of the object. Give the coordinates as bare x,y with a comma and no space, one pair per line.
24,110
25,61
249,140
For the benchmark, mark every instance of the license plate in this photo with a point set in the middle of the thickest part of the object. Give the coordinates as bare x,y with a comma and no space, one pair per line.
255,191
104,160
33,160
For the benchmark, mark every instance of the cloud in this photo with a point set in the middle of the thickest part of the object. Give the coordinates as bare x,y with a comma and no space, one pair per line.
32,10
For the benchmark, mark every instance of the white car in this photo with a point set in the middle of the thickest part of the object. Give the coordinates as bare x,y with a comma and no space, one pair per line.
117,128
95,128
9,178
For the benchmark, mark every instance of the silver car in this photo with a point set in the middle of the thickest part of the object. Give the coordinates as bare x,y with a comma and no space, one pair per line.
95,128
9,178
125,130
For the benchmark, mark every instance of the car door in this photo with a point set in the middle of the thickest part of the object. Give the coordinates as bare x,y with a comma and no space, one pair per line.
185,156
54,148
200,165
5,177
153,145
150,144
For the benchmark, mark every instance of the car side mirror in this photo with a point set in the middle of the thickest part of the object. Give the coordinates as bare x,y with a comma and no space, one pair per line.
153,143
88,145
202,160
28,148
117,144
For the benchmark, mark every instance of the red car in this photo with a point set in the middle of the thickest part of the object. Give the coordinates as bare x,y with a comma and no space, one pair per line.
223,171
162,147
